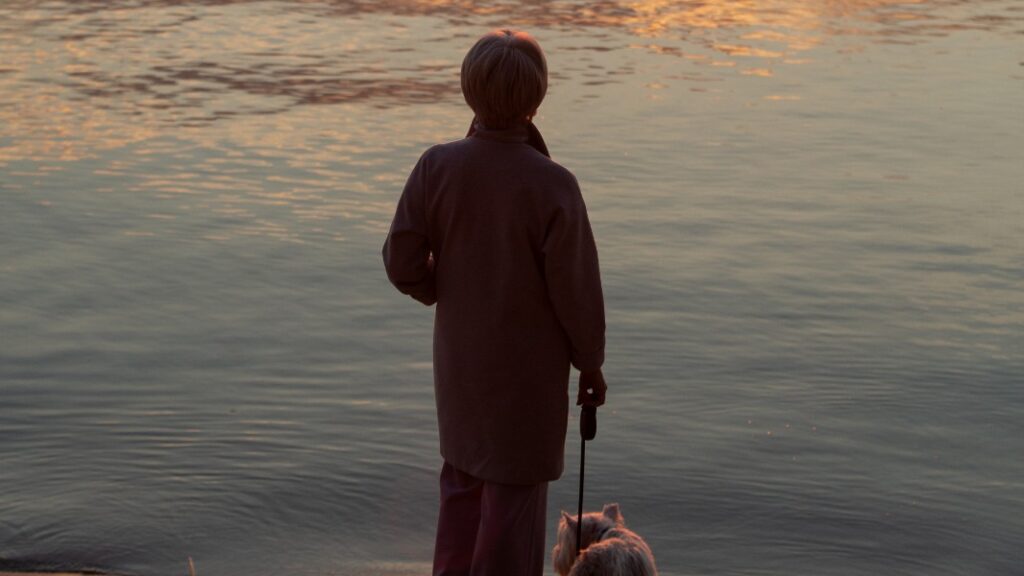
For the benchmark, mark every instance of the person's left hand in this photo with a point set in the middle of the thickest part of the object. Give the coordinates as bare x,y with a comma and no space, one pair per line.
592,389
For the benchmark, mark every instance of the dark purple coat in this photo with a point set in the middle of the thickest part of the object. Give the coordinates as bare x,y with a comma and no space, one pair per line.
515,277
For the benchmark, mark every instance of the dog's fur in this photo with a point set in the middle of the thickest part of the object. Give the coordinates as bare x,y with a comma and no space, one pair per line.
609,548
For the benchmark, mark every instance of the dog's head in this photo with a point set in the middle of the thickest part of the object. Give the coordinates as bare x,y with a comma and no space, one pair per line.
595,525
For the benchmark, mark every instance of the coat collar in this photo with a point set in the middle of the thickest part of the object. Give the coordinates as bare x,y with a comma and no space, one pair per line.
526,133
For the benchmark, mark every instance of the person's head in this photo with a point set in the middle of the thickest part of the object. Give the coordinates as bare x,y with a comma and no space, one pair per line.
504,78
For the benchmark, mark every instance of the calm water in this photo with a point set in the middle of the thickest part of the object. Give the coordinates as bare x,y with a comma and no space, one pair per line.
809,215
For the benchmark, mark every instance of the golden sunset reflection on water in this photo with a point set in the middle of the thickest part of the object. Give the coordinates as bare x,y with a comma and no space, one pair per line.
102,77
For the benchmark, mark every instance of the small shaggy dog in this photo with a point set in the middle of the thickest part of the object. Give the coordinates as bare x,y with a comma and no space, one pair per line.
609,548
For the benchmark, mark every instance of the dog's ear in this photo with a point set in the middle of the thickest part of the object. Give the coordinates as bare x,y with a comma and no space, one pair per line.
570,520
612,512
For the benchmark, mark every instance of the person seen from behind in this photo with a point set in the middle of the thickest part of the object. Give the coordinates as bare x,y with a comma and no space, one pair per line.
496,234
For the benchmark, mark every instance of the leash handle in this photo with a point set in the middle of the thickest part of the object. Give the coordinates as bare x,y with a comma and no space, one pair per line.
588,422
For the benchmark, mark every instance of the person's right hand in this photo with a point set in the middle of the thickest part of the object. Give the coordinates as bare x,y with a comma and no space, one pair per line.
592,389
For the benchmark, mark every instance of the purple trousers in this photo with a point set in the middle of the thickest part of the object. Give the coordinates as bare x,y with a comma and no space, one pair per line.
489,529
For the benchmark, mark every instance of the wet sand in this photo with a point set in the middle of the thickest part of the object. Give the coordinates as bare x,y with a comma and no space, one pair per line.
46,574
384,568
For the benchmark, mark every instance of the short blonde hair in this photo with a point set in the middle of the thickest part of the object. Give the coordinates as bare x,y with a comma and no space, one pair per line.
504,77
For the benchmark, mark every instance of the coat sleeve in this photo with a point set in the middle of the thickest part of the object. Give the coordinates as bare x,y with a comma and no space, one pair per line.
407,251
574,281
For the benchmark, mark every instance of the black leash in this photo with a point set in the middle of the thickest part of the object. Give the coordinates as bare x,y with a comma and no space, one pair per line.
588,429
